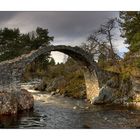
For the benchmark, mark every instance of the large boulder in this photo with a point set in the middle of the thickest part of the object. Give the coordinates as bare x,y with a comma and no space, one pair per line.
114,91
8,103
11,103
106,95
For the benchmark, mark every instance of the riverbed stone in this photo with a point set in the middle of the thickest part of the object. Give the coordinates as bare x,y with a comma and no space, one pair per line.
53,93
58,90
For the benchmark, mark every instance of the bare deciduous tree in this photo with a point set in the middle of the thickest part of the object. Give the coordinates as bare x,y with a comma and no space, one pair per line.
100,42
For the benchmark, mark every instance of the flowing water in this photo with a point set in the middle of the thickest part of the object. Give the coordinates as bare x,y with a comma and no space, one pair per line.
57,112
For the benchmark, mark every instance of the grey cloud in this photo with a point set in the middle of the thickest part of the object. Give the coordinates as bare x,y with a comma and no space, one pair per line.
71,24
62,25
6,15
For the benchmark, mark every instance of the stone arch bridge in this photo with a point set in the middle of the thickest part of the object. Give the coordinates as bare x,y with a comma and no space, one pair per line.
11,71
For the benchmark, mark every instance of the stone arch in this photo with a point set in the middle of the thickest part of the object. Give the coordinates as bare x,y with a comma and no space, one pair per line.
91,70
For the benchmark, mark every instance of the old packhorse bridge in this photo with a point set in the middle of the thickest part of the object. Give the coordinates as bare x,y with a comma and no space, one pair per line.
11,71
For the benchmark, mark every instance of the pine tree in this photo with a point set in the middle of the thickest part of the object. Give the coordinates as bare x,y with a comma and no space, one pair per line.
130,23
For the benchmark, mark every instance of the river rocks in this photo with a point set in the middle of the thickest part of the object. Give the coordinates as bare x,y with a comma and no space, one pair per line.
106,95
105,118
87,107
11,103
121,100
118,90
41,87
53,87
53,93
57,83
74,107
58,90
109,90
25,100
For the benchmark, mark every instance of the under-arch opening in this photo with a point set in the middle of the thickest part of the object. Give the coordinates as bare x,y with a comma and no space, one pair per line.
66,79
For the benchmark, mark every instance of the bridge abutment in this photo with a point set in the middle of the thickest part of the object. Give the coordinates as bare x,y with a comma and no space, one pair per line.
92,85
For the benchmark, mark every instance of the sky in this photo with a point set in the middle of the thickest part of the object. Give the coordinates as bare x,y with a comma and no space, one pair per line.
68,28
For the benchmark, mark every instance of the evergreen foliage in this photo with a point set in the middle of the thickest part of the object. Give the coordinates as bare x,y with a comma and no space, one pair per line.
13,43
130,23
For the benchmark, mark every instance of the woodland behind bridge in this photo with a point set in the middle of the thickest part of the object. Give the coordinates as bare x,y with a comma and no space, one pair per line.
100,43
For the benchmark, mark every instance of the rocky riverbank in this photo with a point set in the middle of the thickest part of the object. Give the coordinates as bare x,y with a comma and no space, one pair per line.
12,102
59,85
57,112
65,112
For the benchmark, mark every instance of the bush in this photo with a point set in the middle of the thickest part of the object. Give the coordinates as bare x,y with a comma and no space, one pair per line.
125,76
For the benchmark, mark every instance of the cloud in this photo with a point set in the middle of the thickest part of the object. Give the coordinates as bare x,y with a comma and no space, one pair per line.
5,16
70,25
70,28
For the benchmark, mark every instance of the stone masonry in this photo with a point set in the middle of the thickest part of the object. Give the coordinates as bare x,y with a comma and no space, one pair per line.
11,71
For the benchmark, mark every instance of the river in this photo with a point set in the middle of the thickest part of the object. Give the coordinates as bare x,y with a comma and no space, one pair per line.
58,112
